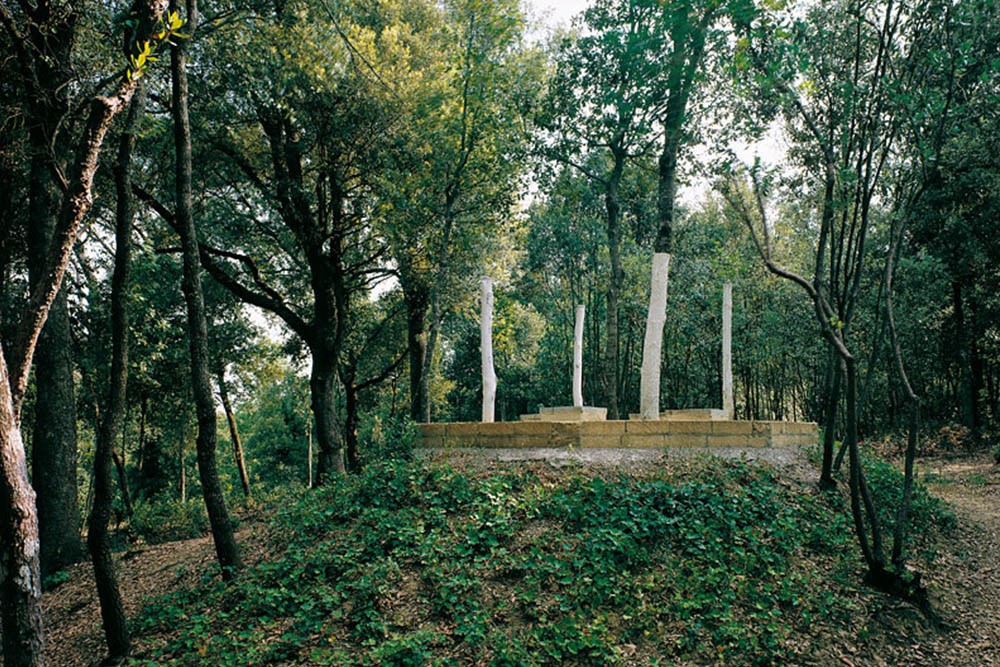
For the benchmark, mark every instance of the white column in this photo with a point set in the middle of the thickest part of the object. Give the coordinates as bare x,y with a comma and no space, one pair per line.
727,350
649,378
578,358
486,346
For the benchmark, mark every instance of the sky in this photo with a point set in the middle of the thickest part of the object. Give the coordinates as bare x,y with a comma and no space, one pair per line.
557,12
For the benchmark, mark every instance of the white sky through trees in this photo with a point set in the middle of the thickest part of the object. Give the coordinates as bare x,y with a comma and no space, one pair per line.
556,13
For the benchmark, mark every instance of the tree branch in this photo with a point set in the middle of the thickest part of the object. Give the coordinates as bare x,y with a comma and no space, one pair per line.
267,298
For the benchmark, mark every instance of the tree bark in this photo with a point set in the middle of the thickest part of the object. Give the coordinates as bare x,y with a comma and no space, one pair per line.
123,480
830,415
612,205
416,338
218,516
54,441
351,420
329,459
116,633
20,574
234,433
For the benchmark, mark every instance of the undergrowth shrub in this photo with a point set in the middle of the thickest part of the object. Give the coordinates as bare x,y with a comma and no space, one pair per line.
160,520
929,516
418,564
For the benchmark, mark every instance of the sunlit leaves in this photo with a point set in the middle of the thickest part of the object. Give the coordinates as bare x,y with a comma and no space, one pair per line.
169,30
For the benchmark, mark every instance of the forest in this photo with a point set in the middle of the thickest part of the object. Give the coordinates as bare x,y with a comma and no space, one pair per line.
240,261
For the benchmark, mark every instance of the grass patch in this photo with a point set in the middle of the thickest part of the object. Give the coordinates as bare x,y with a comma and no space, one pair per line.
417,564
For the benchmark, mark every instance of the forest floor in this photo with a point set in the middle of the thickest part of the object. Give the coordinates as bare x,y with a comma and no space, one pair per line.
964,585
73,616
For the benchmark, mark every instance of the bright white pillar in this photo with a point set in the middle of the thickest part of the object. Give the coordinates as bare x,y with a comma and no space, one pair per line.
727,350
578,358
486,346
649,378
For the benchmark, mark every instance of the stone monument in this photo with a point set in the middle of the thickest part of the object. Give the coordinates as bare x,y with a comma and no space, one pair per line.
578,411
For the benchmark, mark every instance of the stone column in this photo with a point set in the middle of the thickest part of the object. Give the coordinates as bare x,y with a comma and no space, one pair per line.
649,377
578,358
727,350
486,346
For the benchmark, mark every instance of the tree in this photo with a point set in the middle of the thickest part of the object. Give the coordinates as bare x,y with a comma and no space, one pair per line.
608,93
951,131
689,27
845,126
226,549
452,192
47,79
116,631
20,594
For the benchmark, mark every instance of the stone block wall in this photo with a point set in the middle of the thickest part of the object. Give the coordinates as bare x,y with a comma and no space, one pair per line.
632,434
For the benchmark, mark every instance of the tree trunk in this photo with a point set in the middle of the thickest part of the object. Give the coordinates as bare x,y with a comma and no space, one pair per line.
54,438
351,419
652,346
416,338
234,433
116,632
578,327
20,575
309,452
182,472
431,338
218,516
141,462
329,459
53,443
826,480
728,402
123,480
612,206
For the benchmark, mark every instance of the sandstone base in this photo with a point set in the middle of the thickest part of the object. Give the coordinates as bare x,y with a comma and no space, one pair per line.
632,434
567,414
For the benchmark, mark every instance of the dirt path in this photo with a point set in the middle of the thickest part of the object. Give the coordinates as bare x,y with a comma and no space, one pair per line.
964,583
72,614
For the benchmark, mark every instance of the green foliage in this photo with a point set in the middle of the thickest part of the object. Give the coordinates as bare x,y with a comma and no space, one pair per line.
387,438
55,580
928,515
275,423
162,520
416,564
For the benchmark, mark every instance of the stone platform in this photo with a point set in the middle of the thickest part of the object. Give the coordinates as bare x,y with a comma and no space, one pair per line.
702,434
690,414
567,414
